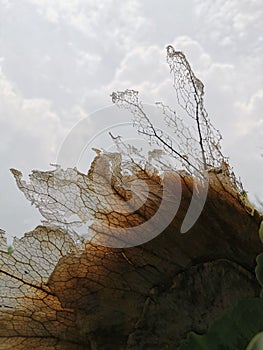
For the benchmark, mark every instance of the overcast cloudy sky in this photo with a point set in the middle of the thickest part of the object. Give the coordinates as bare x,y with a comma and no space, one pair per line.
60,60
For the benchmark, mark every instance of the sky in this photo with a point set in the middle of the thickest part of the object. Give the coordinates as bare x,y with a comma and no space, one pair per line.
61,60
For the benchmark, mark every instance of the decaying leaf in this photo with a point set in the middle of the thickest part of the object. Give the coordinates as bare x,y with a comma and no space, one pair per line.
109,268
62,294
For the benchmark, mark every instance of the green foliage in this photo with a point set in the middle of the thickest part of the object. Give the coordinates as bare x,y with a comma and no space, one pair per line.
261,232
256,343
10,250
259,267
233,331
259,271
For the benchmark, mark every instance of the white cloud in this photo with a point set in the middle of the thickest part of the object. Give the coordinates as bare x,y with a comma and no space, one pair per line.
144,68
30,134
239,21
251,120
60,50
109,18
30,118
